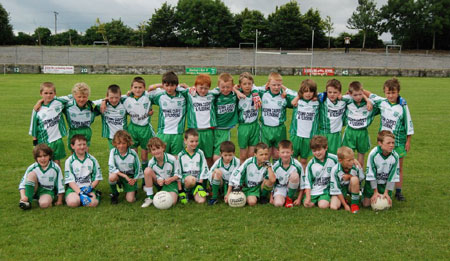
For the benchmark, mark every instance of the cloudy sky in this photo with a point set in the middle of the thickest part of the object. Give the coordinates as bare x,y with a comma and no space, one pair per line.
26,15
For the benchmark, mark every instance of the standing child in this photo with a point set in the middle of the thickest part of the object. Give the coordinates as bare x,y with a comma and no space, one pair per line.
305,120
346,178
382,169
82,175
395,117
47,125
220,172
317,175
164,169
194,169
255,176
124,167
287,172
42,178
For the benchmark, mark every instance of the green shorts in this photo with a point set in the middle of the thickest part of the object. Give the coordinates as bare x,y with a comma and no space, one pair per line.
317,198
368,191
301,147
172,187
273,135
248,134
140,135
253,191
174,142
127,187
356,139
70,190
401,151
86,132
59,152
206,141
42,191
334,141
220,135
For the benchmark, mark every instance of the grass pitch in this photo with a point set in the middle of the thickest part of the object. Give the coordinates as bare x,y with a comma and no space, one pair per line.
416,229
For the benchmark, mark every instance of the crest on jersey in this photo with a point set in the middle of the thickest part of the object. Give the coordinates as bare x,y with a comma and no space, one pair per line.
87,114
396,114
122,112
329,169
364,113
279,103
179,103
164,103
130,165
73,115
244,105
145,105
43,115
265,102
89,168
51,179
57,109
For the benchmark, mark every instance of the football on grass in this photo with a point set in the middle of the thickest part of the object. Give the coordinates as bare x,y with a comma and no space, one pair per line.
162,200
380,204
237,199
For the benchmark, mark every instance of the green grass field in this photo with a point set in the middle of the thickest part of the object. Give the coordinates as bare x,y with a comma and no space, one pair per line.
416,229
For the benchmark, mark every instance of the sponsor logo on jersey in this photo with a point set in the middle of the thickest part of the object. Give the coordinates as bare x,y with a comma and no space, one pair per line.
335,113
51,122
271,112
322,181
172,113
388,123
114,121
357,122
305,116
226,108
202,106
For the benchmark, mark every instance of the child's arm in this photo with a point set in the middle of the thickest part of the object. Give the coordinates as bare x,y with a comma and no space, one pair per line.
38,105
60,187
153,87
203,169
368,102
238,93
343,202
294,101
409,127
33,127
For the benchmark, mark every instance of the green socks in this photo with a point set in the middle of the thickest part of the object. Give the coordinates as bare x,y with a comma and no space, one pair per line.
266,191
215,185
355,198
29,190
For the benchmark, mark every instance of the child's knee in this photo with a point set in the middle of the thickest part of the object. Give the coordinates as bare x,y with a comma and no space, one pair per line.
294,178
32,176
73,200
190,181
130,197
45,202
217,174
323,204
251,201
113,177
354,180
278,202
200,200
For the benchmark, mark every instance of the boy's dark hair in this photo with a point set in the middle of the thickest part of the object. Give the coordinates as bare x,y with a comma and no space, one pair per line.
139,80
285,144
334,83
124,136
42,148
354,87
308,85
227,146
383,134
155,142
318,142
113,88
77,137
170,78
261,146
392,85
190,132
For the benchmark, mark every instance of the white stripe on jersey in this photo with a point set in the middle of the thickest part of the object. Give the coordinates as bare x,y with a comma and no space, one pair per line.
226,170
336,181
283,174
318,174
128,164
249,173
201,113
331,116
170,167
138,109
305,118
49,179
194,165
172,112
46,124
246,111
382,168
84,172
358,117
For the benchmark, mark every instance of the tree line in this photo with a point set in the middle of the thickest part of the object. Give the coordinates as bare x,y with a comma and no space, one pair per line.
415,24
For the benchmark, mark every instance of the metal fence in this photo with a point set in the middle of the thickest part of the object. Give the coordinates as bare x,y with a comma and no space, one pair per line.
104,55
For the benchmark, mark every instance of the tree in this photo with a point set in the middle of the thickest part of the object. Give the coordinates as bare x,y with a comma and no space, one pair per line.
286,28
162,27
365,18
329,28
91,35
314,22
70,37
101,29
248,21
206,23
42,36
6,30
117,33
24,39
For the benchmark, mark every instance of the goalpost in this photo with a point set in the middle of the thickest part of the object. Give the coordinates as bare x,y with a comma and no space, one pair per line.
393,46
286,53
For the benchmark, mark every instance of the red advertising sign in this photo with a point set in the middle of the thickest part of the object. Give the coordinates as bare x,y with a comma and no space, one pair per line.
318,71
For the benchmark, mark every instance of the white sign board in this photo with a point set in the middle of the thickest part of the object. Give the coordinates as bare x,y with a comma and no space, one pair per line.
58,69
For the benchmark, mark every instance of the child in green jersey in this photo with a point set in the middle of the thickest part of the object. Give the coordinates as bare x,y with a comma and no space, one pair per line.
43,178
346,177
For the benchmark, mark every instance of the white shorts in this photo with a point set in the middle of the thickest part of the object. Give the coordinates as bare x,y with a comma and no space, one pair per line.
280,191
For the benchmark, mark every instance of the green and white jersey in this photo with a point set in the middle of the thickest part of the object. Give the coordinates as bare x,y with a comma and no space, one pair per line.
113,119
82,172
395,118
226,170
170,167
358,116
273,109
226,112
331,115
249,174
129,164
336,181
201,111
318,174
382,168
282,174
77,117
305,119
138,109
172,111
50,178
47,125
246,109
193,165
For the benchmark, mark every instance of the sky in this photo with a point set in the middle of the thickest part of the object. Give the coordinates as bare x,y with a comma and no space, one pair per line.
26,15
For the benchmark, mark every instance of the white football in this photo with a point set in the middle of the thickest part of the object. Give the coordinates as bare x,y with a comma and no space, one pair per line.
162,200
237,199
380,204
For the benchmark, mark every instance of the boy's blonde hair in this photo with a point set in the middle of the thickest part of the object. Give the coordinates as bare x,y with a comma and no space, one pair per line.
334,83
122,135
345,153
383,134
318,142
354,87
308,85
82,88
156,142
392,85
225,77
203,79
274,76
47,85
246,75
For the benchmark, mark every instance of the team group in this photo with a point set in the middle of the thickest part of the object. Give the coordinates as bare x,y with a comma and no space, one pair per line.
200,161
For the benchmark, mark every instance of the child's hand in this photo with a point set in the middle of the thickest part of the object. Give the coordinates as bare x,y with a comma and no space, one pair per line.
346,177
193,91
357,164
369,105
150,112
160,182
167,181
307,203
184,85
38,105
408,145
24,198
297,201
129,93
131,182
386,195
294,102
347,207
256,101
226,198
103,106
58,203
374,197
339,97
267,86
271,199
